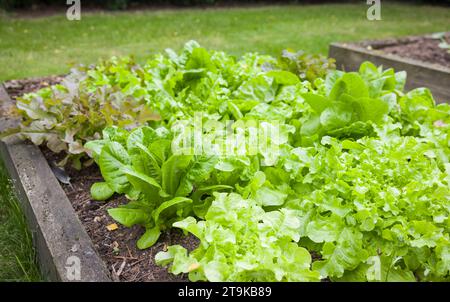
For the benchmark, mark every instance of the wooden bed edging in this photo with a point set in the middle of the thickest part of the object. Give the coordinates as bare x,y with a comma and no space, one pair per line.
65,251
419,74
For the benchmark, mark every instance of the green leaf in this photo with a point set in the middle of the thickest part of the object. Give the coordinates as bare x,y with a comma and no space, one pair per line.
101,191
129,217
312,126
145,162
214,188
178,255
270,197
95,148
172,171
324,229
113,159
190,225
350,83
371,109
317,102
346,254
283,77
160,149
142,158
237,114
331,78
149,238
168,204
336,116
145,184
416,104
198,173
199,58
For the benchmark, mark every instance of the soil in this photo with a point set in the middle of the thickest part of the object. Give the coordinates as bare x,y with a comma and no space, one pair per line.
421,48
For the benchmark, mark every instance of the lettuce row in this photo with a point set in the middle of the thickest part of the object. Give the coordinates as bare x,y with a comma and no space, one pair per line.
119,92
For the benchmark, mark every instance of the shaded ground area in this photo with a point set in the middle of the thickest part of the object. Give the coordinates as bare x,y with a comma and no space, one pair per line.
45,46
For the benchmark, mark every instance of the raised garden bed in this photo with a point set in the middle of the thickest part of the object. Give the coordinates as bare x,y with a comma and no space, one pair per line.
426,64
347,182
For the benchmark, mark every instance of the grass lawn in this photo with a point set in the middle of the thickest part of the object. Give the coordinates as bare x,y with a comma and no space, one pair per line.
17,256
46,45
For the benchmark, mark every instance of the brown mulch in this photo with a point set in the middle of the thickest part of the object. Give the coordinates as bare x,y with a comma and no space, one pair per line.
421,48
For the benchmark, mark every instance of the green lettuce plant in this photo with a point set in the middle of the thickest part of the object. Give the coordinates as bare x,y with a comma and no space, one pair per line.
159,184
239,241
